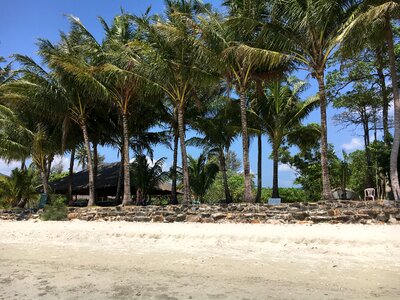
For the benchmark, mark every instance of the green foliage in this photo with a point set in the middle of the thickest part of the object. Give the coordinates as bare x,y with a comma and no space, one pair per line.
236,186
58,176
202,175
286,194
145,176
19,186
56,211
307,164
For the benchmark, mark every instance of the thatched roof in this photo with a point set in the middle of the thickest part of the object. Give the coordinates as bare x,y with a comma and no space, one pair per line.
106,184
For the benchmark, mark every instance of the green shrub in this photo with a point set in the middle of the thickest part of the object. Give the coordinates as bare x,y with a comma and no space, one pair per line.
56,211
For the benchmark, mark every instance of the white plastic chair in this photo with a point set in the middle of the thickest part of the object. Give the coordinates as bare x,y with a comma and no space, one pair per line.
369,194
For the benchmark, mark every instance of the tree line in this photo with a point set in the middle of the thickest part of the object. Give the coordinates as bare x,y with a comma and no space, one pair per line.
185,68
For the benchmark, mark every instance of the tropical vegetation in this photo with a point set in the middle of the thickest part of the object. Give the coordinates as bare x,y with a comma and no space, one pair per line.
227,76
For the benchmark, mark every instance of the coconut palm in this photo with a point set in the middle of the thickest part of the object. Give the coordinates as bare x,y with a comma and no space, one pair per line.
202,175
70,61
308,32
173,61
240,60
220,126
280,113
146,177
374,22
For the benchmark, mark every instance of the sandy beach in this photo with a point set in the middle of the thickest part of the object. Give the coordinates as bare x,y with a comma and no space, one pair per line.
101,260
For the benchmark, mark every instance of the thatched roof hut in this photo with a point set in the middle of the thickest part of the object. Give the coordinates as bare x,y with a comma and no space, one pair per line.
106,183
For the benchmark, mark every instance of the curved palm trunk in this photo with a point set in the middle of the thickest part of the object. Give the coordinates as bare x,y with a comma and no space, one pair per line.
222,166
394,176
326,186
259,168
174,199
186,186
248,195
127,178
275,181
89,165
70,176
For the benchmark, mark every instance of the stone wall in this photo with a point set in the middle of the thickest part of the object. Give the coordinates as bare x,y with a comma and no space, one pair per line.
363,212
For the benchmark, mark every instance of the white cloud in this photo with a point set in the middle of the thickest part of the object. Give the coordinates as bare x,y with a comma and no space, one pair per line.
355,144
6,168
284,168
63,160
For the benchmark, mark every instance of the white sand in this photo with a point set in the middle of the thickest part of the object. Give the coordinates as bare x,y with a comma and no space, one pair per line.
101,260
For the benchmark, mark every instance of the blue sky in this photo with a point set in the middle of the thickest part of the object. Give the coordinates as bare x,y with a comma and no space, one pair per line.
23,22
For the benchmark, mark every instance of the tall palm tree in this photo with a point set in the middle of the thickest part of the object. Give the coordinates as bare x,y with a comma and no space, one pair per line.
239,59
308,32
280,112
173,60
376,16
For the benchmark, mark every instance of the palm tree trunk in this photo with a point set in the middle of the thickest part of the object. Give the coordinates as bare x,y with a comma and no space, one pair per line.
394,176
365,124
186,186
70,176
248,195
95,168
259,168
275,182
120,177
222,166
385,100
89,164
326,186
127,199
45,181
174,199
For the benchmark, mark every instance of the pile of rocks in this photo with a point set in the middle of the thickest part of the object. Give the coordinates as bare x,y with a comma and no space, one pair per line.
333,211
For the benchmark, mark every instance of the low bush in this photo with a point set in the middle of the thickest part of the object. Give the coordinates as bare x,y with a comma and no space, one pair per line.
56,211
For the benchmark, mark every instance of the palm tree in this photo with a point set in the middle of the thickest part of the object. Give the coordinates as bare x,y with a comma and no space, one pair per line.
172,60
202,175
220,127
308,32
239,60
146,177
70,62
280,112
374,19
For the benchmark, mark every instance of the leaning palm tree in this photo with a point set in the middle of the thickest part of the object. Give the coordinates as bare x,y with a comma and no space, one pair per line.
280,112
374,21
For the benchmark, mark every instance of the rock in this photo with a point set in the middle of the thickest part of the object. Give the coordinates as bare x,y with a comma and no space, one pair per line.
218,216
192,218
392,220
382,217
72,216
158,218
180,218
300,215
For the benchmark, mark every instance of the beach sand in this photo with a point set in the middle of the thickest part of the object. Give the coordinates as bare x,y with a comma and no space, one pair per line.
119,260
